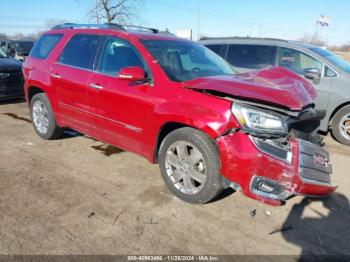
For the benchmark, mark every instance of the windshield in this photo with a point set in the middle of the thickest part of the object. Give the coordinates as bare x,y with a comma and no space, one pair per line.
334,59
23,47
2,53
182,61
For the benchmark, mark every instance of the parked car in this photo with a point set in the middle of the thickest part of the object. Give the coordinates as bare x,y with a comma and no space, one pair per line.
8,47
22,48
178,104
327,72
18,49
11,77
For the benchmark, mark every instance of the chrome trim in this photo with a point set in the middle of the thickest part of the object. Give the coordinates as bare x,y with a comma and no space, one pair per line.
101,73
309,150
96,86
127,126
57,76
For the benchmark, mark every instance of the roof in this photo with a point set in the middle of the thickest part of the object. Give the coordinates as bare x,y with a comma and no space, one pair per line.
253,40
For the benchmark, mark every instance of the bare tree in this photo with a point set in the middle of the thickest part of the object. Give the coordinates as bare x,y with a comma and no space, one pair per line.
313,39
3,36
119,11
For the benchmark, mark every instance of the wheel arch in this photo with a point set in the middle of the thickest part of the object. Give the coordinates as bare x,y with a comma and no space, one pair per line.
336,110
164,130
32,91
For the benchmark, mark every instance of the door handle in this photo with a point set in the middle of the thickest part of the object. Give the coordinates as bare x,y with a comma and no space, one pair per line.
96,86
57,76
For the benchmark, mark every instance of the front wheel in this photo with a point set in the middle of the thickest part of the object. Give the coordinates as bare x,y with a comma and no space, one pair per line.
341,125
190,165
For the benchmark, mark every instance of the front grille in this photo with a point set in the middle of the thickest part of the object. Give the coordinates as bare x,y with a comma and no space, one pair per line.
315,166
277,148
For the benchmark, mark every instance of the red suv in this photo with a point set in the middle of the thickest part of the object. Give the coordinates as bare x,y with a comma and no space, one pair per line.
178,104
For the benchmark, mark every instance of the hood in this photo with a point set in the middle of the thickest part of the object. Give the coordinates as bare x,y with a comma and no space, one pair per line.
9,64
274,85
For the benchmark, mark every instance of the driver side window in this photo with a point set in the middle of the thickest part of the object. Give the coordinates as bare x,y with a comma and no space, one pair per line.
117,54
296,61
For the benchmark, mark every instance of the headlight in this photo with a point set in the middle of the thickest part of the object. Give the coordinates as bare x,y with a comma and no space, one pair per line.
259,121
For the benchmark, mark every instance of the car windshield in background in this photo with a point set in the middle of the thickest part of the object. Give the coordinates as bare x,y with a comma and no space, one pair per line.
182,61
334,59
2,53
23,47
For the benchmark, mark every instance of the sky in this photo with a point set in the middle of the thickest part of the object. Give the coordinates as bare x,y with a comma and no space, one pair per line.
287,19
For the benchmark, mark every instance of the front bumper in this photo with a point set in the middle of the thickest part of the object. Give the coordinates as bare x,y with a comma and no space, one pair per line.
271,173
11,86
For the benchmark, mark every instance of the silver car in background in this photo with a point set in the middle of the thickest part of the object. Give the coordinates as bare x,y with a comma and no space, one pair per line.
329,74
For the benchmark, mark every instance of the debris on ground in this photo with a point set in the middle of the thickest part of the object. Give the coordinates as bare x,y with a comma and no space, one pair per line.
91,214
253,213
268,213
151,222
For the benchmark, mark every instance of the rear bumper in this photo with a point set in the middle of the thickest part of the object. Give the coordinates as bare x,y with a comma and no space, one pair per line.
271,173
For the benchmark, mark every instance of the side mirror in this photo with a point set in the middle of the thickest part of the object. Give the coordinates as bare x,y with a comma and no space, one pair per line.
131,73
312,73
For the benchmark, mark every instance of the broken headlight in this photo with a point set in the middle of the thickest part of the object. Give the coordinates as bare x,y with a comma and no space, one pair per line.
255,120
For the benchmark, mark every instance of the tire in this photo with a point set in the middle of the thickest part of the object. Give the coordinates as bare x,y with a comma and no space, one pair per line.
190,179
342,119
50,130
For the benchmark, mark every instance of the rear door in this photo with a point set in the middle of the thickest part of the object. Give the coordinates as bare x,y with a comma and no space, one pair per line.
70,75
246,57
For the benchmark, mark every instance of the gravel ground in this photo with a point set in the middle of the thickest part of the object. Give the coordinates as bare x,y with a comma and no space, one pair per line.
79,196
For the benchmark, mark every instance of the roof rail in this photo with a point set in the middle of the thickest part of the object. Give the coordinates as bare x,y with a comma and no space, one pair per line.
153,30
103,26
99,26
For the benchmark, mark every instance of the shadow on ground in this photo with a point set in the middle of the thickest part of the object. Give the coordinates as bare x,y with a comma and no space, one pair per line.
12,101
316,232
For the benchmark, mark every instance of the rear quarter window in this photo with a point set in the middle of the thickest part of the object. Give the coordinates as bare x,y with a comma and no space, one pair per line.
44,45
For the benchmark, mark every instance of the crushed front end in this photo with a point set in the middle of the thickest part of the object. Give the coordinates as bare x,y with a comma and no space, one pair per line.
268,162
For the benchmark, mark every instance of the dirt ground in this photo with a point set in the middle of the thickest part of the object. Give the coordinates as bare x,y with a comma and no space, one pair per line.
80,196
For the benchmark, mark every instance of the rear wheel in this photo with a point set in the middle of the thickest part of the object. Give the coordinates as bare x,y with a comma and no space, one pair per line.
190,165
341,125
43,119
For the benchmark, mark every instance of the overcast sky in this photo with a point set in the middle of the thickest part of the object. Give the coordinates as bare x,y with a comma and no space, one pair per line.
288,19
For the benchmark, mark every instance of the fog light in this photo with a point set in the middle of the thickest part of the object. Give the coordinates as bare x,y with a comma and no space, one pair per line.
263,186
268,188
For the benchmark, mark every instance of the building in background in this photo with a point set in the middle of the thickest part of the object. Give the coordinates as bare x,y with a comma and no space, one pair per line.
184,33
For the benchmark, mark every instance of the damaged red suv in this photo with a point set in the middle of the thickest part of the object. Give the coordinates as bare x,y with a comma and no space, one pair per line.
178,104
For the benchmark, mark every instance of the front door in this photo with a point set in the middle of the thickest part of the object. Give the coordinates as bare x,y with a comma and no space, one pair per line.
122,107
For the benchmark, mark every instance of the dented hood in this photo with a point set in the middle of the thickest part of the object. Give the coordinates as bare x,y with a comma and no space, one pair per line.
274,85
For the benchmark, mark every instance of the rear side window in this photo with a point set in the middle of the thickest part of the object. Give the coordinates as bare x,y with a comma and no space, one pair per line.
44,45
218,49
80,51
251,56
